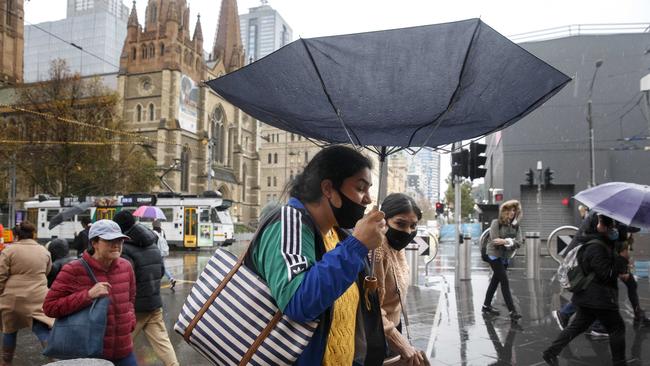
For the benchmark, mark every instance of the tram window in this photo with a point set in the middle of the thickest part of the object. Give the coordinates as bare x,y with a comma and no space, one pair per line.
51,213
215,216
205,216
169,214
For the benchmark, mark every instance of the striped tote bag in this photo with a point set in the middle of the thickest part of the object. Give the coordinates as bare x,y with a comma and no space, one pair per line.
231,319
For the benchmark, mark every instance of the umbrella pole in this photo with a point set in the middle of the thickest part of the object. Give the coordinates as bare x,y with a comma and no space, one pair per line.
383,176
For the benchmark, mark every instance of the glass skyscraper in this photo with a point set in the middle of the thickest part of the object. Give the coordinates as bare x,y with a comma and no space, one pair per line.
97,26
263,31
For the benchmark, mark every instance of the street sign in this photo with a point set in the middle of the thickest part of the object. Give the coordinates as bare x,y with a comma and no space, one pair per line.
423,244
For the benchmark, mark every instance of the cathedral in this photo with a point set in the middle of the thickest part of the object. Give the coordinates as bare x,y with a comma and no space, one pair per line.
203,143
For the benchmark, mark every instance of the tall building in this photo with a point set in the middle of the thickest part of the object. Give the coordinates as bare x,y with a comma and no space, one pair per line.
212,144
96,26
11,43
606,69
263,31
426,165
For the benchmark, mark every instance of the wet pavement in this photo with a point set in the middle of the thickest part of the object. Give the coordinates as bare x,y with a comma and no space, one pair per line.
445,317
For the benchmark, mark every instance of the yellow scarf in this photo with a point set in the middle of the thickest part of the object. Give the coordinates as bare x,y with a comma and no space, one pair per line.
340,343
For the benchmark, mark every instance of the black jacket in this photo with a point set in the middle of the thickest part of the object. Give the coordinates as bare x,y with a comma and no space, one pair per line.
81,241
60,253
143,253
602,260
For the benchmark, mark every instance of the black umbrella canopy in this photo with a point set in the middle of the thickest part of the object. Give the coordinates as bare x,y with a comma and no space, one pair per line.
422,86
68,213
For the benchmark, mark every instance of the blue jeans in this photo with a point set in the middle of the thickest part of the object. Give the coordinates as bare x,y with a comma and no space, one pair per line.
40,329
169,275
126,361
568,309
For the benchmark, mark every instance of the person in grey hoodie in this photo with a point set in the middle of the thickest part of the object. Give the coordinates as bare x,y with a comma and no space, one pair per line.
505,238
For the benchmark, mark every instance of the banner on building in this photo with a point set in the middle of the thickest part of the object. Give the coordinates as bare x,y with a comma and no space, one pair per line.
188,104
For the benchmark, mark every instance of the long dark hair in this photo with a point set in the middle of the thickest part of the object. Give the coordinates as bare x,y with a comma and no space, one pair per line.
335,163
400,203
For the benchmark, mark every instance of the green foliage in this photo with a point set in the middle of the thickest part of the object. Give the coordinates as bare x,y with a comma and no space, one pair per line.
466,199
78,158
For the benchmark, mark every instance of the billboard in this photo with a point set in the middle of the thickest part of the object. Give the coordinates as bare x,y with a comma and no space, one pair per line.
188,104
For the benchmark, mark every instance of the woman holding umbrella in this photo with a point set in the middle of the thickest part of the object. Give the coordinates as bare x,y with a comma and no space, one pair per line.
315,269
505,237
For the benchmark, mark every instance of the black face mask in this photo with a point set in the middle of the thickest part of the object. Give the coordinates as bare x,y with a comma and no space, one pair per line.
349,213
398,239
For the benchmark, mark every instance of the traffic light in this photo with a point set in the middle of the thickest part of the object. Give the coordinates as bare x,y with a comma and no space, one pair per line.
477,160
548,176
459,161
530,177
440,208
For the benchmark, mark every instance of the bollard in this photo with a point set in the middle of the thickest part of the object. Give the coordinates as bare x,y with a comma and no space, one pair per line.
412,259
532,254
464,260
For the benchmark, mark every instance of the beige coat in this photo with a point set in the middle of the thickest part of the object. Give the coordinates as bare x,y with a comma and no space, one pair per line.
392,272
23,285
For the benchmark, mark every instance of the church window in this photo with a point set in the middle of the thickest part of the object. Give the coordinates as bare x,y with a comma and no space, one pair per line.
151,112
138,113
154,13
162,49
134,52
275,158
143,51
185,170
152,50
243,184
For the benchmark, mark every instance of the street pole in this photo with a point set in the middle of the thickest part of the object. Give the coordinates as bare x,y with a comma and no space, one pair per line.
457,217
539,195
592,154
12,192
383,176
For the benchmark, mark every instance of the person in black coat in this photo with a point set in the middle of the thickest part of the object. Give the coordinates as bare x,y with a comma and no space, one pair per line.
599,301
143,253
60,253
81,241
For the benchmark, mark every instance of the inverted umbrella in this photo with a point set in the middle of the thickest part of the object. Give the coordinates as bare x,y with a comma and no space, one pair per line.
627,203
412,87
69,213
149,212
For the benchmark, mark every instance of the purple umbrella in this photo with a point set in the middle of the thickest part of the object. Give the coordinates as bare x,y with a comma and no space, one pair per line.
627,203
150,212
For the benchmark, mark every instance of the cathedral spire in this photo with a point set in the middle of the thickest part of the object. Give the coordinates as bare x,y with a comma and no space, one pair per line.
133,17
227,44
198,31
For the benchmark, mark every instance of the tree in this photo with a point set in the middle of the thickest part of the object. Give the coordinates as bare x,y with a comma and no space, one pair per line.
428,211
69,145
466,199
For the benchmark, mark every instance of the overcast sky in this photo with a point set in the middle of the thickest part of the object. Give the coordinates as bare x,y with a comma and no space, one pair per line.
310,18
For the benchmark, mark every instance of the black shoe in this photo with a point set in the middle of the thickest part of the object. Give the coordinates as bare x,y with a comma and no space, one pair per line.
514,315
172,284
488,310
550,359
561,319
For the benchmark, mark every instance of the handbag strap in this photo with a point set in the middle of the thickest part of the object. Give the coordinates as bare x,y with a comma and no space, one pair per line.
224,282
401,303
88,270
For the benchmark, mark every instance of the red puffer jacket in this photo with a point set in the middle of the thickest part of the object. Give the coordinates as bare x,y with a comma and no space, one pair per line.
69,294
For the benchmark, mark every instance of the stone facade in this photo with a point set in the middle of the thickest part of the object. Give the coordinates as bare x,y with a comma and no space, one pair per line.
212,143
12,42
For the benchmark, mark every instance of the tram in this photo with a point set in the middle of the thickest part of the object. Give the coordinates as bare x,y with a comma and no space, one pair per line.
193,221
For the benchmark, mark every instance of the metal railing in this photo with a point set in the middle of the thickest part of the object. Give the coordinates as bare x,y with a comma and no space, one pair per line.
579,30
